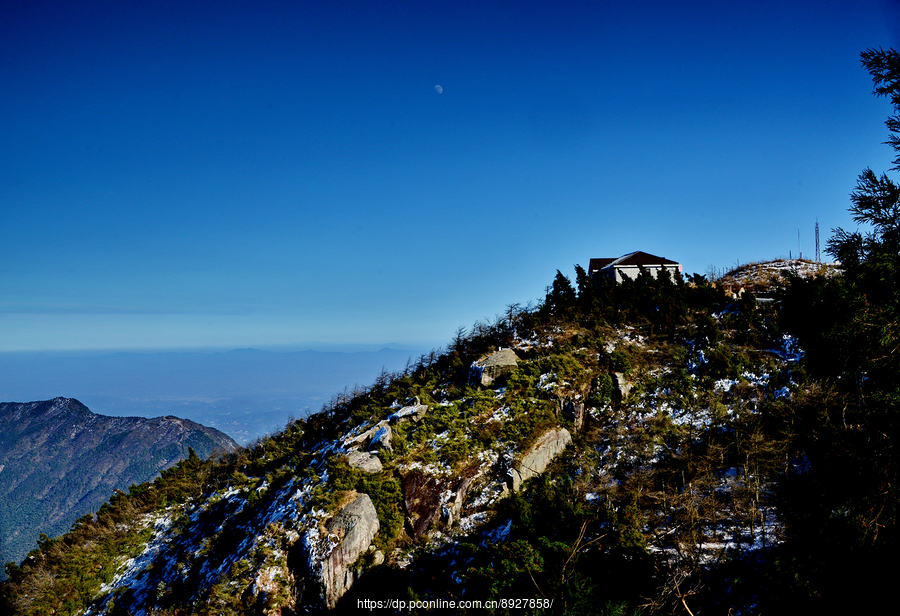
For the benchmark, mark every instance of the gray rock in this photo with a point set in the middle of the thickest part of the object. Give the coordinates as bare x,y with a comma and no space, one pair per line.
377,558
355,526
487,369
514,479
452,511
365,436
413,411
377,437
426,498
382,438
364,461
575,409
538,457
621,386
422,497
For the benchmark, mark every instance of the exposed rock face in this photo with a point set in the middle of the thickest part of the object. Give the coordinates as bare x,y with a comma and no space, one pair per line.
364,461
538,457
621,386
365,436
354,526
381,439
452,509
414,411
427,497
380,435
487,369
575,409
422,496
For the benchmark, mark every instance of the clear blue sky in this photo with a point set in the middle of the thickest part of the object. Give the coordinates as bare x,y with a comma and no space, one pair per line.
232,174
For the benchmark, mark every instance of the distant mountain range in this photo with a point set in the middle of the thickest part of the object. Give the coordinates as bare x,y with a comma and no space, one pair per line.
246,393
59,461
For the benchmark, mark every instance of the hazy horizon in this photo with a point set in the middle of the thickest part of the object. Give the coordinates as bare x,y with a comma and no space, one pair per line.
246,393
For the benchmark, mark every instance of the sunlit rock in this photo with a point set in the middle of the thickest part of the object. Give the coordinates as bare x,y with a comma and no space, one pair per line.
487,369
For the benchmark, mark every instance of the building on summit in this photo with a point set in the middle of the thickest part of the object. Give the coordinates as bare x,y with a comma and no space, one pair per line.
630,265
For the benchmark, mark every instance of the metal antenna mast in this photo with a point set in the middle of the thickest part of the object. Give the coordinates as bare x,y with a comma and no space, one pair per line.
799,249
818,252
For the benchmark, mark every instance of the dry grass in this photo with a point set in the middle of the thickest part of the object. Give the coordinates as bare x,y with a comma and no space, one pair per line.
760,276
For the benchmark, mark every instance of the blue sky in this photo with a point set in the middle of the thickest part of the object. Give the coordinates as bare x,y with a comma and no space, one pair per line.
233,174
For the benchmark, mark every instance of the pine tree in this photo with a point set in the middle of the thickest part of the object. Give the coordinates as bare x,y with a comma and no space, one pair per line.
844,512
561,296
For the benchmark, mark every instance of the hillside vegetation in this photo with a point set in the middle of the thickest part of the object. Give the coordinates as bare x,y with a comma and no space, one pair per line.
686,484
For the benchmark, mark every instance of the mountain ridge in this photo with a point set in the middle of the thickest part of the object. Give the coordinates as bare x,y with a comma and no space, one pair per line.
69,460
609,387
649,446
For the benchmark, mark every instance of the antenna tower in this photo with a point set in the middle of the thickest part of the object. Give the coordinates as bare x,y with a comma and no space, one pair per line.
799,249
818,252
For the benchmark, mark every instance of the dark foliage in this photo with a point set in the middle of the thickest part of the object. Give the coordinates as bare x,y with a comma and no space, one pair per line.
843,512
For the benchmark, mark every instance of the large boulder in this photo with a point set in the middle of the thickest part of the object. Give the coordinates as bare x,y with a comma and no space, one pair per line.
365,437
414,411
353,528
538,457
377,437
487,369
365,461
382,439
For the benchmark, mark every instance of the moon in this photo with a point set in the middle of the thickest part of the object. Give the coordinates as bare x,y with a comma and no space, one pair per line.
438,89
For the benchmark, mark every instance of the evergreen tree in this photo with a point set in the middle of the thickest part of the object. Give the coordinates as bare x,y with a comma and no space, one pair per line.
585,290
844,512
560,296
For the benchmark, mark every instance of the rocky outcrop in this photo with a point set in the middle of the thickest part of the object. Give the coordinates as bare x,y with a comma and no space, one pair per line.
538,457
382,439
365,461
375,438
621,386
379,436
451,509
414,411
365,437
487,369
353,527
575,410
427,497
422,497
